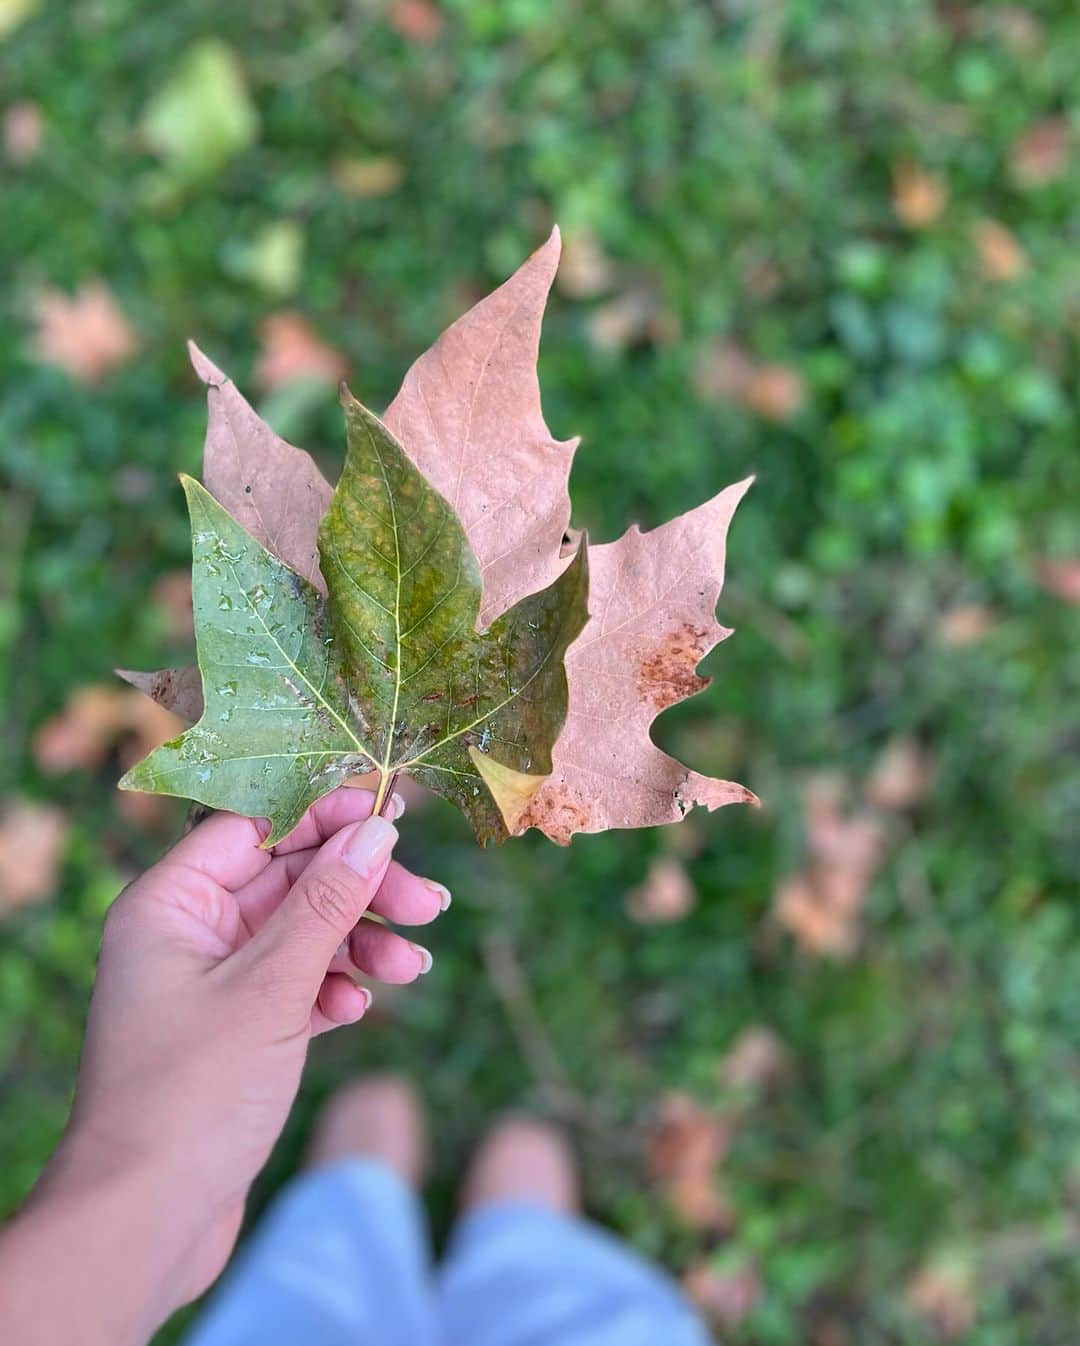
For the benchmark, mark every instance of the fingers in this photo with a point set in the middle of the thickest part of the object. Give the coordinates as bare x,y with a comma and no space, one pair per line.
320,909
340,1001
379,952
406,899
227,848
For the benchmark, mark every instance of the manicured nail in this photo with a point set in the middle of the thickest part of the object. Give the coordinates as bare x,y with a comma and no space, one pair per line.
397,805
425,957
368,998
441,892
367,850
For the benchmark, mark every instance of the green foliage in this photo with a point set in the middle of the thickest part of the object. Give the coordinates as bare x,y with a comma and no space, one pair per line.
733,162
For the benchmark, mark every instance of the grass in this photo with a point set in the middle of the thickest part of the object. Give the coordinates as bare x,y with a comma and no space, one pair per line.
736,164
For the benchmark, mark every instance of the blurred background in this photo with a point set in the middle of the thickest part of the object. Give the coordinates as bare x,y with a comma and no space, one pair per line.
822,1059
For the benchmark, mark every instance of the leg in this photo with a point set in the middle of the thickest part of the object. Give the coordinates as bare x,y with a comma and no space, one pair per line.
524,1269
341,1259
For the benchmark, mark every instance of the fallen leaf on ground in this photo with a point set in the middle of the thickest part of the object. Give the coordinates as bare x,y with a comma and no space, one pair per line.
756,1060
725,1295
416,20
172,597
630,319
775,392
918,197
292,349
821,907
665,895
586,270
683,1160
1041,155
94,721
901,776
1001,256
24,132
1060,577
32,840
965,624
942,1294
85,334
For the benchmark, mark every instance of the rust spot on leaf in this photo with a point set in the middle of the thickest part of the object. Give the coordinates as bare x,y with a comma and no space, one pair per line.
557,814
433,696
667,672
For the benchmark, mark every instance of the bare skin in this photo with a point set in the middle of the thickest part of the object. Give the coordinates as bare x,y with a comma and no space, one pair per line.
218,966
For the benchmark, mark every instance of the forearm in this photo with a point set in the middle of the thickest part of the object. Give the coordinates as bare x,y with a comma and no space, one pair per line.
90,1263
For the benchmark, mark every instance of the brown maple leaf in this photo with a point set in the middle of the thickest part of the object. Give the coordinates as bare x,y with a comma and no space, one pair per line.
652,601
85,334
32,839
469,417
271,488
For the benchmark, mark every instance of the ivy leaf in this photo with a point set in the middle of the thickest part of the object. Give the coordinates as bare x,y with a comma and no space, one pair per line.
386,673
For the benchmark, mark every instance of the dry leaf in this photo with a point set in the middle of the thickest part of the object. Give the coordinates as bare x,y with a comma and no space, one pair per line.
918,196
1060,577
821,906
965,624
177,690
1001,256
32,839
942,1294
172,596
775,392
291,349
652,600
469,416
1041,155
93,722
683,1159
726,1296
416,20
85,334
378,176
586,270
756,1060
272,489
901,776
627,320
24,131
666,894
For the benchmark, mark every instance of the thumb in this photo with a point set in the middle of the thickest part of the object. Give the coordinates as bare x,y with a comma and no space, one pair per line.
324,904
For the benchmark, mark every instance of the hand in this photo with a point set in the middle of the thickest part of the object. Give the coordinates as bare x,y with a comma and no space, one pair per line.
217,968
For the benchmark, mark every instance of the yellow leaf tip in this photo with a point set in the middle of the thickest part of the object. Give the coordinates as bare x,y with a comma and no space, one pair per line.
511,790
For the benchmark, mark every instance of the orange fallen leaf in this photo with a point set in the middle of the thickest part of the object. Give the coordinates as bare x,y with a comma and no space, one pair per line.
172,596
773,391
24,132
756,1060
918,197
1060,577
665,895
416,20
32,840
901,776
683,1159
292,349
726,1296
93,722
1041,155
1001,256
822,905
965,624
85,334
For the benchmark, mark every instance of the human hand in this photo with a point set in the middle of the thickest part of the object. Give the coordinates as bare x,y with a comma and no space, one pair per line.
217,967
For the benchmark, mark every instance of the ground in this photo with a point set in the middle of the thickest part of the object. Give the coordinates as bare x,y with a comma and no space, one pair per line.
831,244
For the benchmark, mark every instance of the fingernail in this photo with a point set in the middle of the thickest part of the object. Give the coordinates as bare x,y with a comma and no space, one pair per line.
368,998
367,850
441,892
398,805
425,957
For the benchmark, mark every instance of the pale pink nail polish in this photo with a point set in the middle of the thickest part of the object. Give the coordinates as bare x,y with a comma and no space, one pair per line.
369,847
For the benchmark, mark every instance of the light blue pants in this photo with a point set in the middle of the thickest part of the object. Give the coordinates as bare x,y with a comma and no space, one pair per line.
342,1260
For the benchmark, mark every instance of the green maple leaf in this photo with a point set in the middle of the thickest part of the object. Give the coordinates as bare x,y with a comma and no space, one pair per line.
386,674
